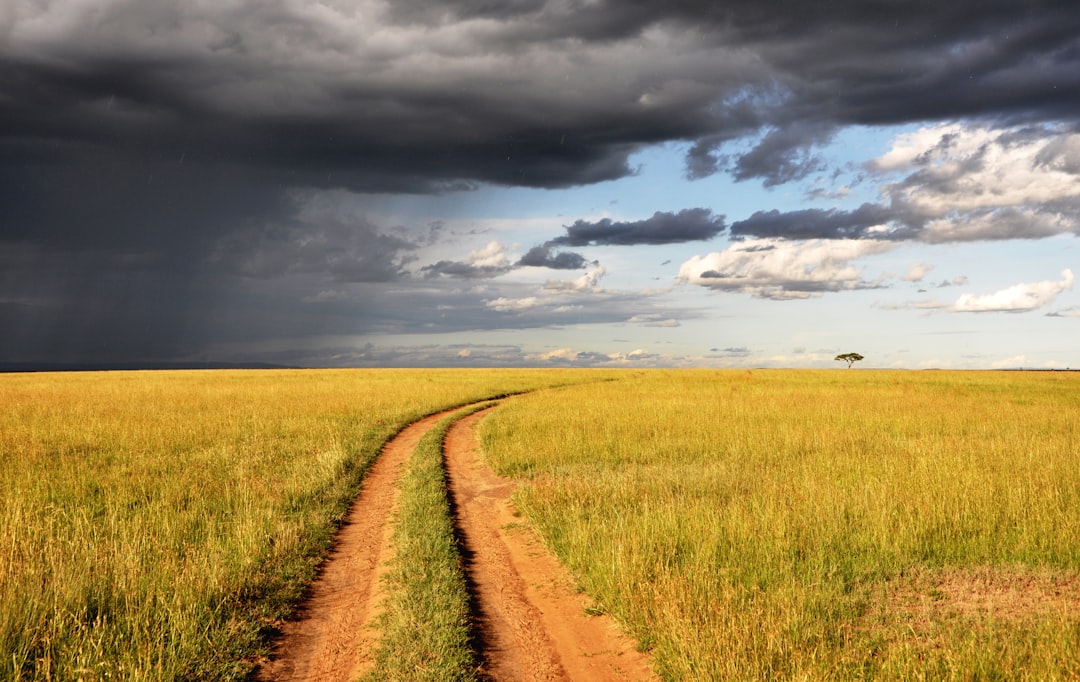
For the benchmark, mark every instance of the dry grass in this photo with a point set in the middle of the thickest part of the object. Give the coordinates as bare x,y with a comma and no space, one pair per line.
153,523
743,525
770,525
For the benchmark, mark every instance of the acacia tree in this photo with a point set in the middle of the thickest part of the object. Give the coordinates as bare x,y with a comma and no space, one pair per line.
849,358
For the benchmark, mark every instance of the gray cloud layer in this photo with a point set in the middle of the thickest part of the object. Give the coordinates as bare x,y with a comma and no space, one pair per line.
814,223
547,256
691,224
153,144
540,93
955,184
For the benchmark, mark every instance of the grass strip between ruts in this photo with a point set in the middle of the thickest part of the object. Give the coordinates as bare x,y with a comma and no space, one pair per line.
425,625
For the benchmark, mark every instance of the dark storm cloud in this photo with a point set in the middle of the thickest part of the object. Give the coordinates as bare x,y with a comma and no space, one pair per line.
152,145
468,306
816,223
544,94
424,11
493,262
462,355
547,256
783,155
346,252
56,306
427,355
463,270
691,224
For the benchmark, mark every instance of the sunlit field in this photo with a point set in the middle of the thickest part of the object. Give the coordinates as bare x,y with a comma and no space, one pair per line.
816,525
741,525
153,523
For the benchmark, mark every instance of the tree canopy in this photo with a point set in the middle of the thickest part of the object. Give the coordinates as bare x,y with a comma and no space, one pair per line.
849,358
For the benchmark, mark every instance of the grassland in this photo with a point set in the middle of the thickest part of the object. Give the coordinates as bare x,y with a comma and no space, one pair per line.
742,525
816,525
152,524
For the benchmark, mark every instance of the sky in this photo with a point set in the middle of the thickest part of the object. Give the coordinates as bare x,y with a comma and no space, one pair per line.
543,183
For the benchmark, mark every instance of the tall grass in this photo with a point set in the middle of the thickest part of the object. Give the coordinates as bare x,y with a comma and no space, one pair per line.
811,525
816,525
154,524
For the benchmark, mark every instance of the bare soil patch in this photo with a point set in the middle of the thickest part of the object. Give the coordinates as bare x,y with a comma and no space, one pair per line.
923,604
1000,593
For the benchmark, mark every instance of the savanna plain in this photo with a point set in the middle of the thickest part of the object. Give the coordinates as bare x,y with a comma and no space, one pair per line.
739,525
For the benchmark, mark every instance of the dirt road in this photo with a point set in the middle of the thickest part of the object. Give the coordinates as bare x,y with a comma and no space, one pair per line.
529,622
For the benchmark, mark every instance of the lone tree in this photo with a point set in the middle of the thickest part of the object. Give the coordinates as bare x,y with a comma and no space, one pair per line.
849,358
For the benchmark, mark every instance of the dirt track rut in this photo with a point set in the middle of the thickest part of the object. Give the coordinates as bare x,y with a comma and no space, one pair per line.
529,622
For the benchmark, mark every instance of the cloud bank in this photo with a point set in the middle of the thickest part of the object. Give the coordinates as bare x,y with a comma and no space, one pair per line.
691,224
954,183
163,162
946,183
776,269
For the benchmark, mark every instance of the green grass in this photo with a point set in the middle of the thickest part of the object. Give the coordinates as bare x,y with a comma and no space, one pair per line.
154,524
425,628
799,525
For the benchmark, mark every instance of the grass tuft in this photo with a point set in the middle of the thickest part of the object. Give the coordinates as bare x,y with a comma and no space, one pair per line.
426,623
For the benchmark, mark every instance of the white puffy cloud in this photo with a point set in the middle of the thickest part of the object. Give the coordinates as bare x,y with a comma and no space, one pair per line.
569,356
974,182
653,320
588,282
916,272
563,354
1010,363
1018,298
491,256
555,295
778,269
504,305
1015,299
489,261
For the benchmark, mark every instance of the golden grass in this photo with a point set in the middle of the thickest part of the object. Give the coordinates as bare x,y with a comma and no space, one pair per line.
154,524
770,525
743,525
